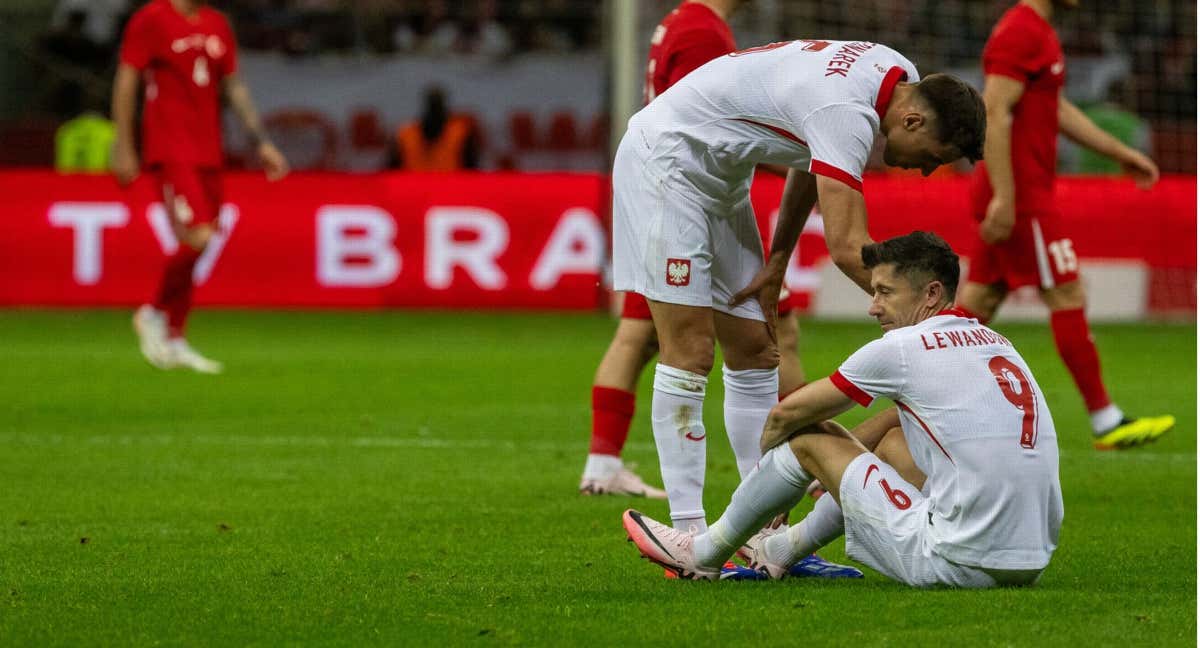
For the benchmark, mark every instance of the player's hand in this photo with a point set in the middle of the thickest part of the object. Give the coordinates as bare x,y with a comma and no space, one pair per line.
1142,168
125,164
274,164
997,225
765,287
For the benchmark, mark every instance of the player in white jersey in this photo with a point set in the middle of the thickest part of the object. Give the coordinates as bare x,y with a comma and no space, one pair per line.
684,233
956,486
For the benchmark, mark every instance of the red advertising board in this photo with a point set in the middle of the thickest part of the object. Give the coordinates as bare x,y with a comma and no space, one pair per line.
475,240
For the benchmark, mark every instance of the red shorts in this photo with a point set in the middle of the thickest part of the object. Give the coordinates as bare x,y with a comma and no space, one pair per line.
192,195
636,307
1037,254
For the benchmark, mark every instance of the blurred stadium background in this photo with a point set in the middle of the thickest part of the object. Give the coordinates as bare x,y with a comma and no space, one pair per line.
543,82
1132,59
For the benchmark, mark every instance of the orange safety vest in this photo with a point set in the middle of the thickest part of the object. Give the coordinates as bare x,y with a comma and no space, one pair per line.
443,154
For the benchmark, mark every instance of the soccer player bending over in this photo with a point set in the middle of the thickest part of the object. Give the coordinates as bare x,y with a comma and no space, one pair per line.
185,55
684,230
957,485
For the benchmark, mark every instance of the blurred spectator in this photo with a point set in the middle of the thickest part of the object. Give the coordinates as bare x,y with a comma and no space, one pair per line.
484,35
102,18
438,141
84,143
70,57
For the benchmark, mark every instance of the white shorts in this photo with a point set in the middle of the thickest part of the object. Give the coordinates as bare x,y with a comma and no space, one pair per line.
673,244
885,530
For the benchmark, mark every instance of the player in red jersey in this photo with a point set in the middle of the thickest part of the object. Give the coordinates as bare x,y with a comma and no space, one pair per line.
690,36
185,55
1021,241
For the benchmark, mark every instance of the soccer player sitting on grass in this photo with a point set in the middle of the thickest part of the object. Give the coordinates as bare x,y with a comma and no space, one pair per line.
957,485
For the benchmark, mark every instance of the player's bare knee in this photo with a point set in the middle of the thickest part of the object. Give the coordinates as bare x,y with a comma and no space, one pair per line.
1066,296
695,355
637,340
888,445
196,237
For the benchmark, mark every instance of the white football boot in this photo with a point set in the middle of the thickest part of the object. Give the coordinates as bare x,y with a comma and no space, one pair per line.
150,324
616,480
183,355
666,546
754,555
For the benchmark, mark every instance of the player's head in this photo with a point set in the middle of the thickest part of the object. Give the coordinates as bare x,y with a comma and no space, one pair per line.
941,119
914,276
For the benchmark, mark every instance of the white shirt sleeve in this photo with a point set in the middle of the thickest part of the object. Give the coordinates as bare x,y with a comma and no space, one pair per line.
840,137
874,371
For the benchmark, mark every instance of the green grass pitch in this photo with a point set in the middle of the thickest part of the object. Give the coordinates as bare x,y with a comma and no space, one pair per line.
404,478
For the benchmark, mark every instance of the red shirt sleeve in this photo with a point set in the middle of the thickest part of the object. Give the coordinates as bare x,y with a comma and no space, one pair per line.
692,50
1012,51
137,45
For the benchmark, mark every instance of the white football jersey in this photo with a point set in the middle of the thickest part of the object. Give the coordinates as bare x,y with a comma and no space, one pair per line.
978,426
809,104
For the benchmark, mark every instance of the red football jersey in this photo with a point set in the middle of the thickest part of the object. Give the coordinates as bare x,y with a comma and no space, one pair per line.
183,60
1023,46
687,38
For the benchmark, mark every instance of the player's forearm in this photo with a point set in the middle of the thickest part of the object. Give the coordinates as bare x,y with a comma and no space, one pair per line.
799,196
845,213
124,104
239,99
811,404
997,153
1076,126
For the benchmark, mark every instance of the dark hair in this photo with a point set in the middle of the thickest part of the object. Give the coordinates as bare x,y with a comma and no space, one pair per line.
961,117
920,256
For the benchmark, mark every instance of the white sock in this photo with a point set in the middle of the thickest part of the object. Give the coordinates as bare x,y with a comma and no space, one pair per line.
601,466
775,485
1106,418
820,527
677,416
749,396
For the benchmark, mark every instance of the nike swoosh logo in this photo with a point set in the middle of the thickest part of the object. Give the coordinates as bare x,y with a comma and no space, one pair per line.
638,518
873,467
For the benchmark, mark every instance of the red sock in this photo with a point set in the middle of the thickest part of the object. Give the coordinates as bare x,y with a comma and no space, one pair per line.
612,411
175,291
1078,352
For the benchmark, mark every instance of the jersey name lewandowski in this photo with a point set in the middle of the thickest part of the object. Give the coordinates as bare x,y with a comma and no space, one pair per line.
978,426
183,60
809,104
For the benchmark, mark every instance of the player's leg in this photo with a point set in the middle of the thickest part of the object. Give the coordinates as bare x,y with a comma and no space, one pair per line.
1077,348
686,338
613,400
751,376
751,356
776,485
981,300
156,323
986,283
791,370
192,198
663,251
1064,295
